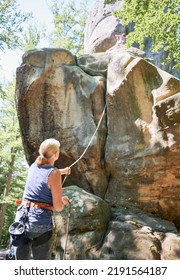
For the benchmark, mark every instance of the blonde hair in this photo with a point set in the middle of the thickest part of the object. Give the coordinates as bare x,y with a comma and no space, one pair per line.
46,150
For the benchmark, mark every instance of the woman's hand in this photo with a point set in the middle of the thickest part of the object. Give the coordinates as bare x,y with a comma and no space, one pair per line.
65,171
65,200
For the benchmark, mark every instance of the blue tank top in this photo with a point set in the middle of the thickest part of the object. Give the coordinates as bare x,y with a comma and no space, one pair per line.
36,188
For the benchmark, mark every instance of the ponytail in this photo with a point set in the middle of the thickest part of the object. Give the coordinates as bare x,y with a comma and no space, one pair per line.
41,160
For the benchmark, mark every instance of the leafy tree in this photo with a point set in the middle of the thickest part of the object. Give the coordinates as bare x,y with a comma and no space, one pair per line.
31,37
13,166
12,163
11,24
69,22
159,20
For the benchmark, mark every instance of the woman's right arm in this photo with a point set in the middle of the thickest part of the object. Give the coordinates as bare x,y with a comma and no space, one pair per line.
55,184
65,171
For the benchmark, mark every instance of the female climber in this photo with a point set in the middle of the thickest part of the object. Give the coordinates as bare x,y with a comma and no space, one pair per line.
42,195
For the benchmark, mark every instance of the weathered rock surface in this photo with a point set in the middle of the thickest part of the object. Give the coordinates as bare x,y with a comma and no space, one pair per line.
101,27
97,233
89,217
142,146
134,235
56,98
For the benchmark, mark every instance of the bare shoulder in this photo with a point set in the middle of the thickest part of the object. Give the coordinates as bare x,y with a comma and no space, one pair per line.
55,176
55,172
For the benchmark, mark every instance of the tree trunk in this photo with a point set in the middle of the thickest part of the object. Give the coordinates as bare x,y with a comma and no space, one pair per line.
6,190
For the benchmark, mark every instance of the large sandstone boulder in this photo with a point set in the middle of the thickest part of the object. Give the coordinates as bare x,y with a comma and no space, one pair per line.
55,98
133,159
142,146
101,27
88,219
96,232
133,235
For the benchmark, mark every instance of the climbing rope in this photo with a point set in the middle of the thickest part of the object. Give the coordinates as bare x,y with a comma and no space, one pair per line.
67,230
102,115
69,212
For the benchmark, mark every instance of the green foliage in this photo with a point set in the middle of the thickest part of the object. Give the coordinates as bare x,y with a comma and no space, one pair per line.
69,24
9,218
110,1
159,20
31,38
11,24
10,145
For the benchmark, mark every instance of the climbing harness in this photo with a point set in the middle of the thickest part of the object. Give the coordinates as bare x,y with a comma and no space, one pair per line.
69,212
35,204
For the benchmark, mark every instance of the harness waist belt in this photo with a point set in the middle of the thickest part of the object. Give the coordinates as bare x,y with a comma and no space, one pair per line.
35,204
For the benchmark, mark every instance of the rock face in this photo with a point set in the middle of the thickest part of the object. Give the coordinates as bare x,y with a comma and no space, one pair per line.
132,235
96,232
89,217
101,27
56,98
142,146
133,159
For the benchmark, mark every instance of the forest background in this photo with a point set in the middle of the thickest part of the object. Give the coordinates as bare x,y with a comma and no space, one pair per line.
21,31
